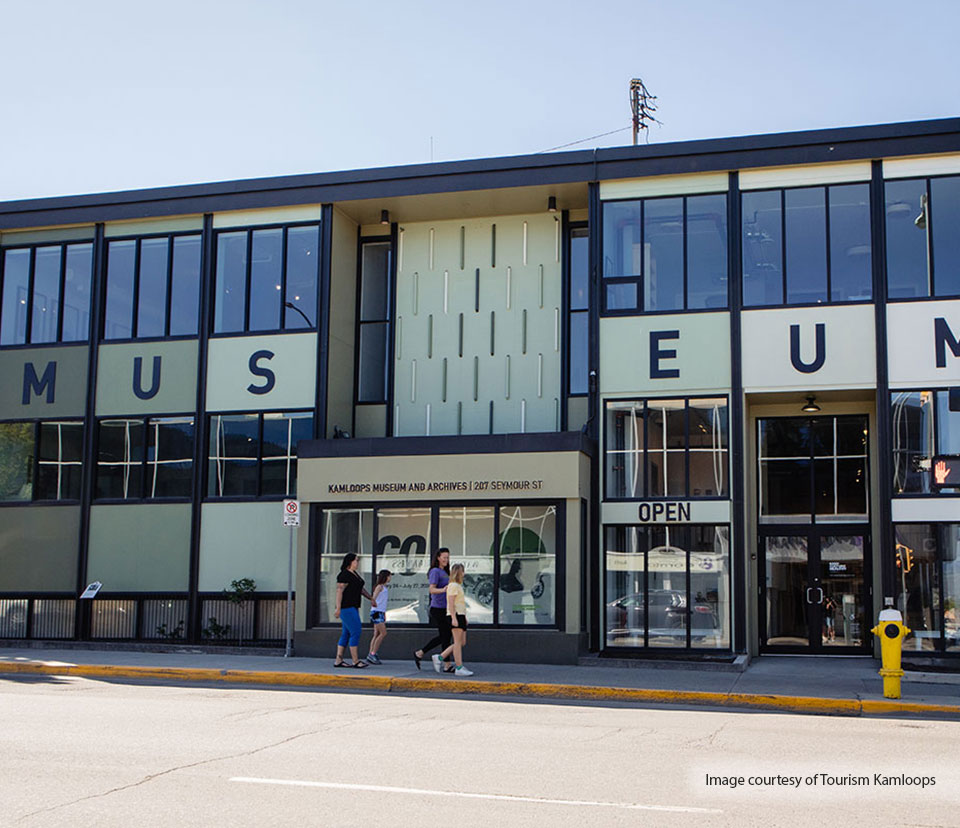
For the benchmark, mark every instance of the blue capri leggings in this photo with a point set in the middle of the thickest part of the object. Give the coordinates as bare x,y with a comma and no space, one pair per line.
350,623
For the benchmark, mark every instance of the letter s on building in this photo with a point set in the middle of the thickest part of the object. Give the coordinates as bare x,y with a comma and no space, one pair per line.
266,373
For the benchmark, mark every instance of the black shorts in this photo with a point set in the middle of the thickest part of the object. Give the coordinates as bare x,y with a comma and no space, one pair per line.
461,622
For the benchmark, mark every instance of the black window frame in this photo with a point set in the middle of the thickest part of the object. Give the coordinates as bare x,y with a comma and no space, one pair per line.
646,400
575,229
249,230
936,492
433,543
638,279
144,463
36,462
360,322
31,280
135,303
783,303
930,216
259,496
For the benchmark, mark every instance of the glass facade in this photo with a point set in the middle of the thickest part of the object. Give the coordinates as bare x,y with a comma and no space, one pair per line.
40,460
150,458
924,425
373,319
509,553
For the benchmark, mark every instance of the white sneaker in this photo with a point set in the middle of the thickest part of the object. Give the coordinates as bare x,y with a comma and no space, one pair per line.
437,663
462,671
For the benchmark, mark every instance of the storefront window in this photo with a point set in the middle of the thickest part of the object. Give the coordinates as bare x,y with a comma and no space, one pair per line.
509,553
918,585
666,448
668,587
923,426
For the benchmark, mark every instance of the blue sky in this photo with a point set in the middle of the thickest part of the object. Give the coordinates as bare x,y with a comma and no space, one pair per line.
103,95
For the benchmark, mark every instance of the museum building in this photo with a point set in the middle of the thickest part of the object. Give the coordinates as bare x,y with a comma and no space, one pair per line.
688,400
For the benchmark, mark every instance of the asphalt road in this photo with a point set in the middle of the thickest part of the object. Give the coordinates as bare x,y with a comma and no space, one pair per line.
81,752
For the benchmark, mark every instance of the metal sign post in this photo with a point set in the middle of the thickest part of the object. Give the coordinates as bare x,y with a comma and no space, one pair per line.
291,518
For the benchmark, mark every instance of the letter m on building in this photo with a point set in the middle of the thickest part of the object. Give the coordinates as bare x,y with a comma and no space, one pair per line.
31,383
943,338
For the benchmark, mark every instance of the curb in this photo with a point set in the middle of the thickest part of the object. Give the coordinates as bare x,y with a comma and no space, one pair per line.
762,701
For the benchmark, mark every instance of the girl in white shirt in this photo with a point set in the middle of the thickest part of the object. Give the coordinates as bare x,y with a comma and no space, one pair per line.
378,614
457,610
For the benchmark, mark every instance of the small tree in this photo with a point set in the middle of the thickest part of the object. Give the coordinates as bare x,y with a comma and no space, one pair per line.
240,591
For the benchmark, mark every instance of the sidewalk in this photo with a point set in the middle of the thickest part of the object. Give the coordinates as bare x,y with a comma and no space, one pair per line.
840,686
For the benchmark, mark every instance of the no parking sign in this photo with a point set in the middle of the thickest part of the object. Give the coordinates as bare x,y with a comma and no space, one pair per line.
291,513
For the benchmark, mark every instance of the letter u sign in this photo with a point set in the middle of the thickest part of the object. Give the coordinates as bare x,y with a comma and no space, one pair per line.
820,354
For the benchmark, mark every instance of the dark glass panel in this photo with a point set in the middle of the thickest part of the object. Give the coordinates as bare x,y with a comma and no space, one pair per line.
231,282
806,245
622,296
663,248
60,454
841,577
76,293
121,259
851,276
821,436
707,251
785,562
375,282
912,424
785,437
906,242
303,262
824,487
16,461
120,459
46,294
785,487
281,433
949,537
16,283
579,268
852,486
579,367
373,361
851,435
185,287
945,235
622,239
152,297
266,262
170,457
234,441
762,249
918,585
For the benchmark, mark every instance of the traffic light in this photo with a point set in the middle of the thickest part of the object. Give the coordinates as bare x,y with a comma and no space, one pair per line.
904,558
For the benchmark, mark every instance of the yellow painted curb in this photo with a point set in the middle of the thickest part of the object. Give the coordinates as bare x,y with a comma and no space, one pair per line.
797,704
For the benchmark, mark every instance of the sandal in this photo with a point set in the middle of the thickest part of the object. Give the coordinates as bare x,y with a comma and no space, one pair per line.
416,660
358,665
340,663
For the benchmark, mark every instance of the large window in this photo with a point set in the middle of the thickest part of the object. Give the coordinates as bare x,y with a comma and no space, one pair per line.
579,310
266,279
153,287
807,245
255,455
667,587
148,458
923,247
924,425
46,293
40,461
812,467
509,553
664,254
928,585
666,448
373,320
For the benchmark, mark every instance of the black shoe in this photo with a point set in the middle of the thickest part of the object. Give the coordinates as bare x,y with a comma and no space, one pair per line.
416,660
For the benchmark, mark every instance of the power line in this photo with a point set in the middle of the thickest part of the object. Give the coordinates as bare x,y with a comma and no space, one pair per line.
582,140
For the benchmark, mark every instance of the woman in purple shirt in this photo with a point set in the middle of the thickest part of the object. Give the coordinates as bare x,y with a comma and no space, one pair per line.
439,577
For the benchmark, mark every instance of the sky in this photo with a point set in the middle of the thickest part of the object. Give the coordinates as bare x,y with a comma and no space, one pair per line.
102,95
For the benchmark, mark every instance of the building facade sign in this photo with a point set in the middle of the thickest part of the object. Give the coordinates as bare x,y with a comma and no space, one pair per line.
43,382
147,378
923,343
666,512
809,348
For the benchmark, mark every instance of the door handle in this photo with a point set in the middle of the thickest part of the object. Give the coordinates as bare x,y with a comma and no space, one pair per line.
820,590
809,590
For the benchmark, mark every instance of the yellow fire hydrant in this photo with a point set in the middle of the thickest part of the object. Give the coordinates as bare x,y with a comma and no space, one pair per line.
891,632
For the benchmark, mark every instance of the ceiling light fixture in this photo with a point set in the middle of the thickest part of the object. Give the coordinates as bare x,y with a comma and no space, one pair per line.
552,204
811,407
384,216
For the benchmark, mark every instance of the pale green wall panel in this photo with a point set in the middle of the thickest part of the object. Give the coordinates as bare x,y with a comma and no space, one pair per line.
175,389
39,546
60,373
341,348
371,421
291,359
140,547
243,540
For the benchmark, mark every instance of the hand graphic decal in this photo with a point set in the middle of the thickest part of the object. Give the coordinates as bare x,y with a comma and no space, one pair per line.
940,472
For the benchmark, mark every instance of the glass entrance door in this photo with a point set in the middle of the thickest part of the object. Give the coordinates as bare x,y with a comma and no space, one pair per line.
814,589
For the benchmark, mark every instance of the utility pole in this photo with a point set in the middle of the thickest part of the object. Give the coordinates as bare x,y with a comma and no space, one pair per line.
642,107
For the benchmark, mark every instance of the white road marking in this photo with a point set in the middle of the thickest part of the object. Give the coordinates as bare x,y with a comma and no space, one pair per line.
678,809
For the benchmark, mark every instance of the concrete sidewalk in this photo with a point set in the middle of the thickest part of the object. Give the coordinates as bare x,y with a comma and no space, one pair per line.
832,685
